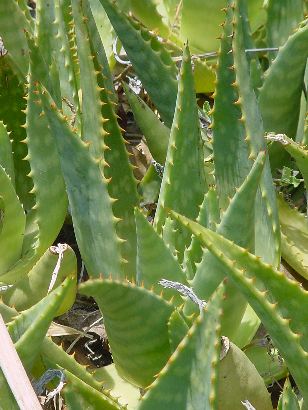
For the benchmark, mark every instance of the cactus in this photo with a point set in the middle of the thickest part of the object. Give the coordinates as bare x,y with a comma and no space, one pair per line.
182,296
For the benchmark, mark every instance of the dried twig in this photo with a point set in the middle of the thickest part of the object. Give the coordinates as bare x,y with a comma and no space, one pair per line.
281,138
247,405
4,288
83,334
184,290
59,250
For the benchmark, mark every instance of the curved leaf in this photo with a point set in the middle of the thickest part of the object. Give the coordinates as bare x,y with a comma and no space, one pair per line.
136,324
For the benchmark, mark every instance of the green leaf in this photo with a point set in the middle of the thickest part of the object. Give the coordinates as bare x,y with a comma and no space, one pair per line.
235,225
67,13
25,8
154,131
294,230
288,399
169,9
228,130
204,77
288,177
50,46
267,236
169,234
297,151
248,328
95,13
301,133
201,23
7,399
149,186
283,18
13,24
267,360
256,14
287,68
34,286
136,325
89,199
209,216
305,137
188,381
65,66
43,155
13,224
7,313
91,122
147,12
106,33
150,59
126,393
100,128
29,328
12,106
240,381
45,29
45,167
256,72
183,184
41,72
177,328
54,356
153,254
79,396
6,156
279,302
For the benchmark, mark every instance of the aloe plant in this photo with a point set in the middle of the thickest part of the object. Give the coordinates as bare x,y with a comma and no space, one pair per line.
183,296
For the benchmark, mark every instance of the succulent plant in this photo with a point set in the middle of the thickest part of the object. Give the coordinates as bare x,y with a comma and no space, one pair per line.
182,296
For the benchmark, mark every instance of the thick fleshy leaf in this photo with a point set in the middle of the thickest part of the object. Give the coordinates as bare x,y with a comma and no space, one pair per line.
89,200
154,131
45,167
188,381
155,261
12,113
136,322
287,68
235,225
230,170
177,328
267,235
147,13
288,399
79,396
294,230
14,23
34,286
29,328
13,224
104,28
279,301
6,155
183,184
65,66
209,216
150,59
99,127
